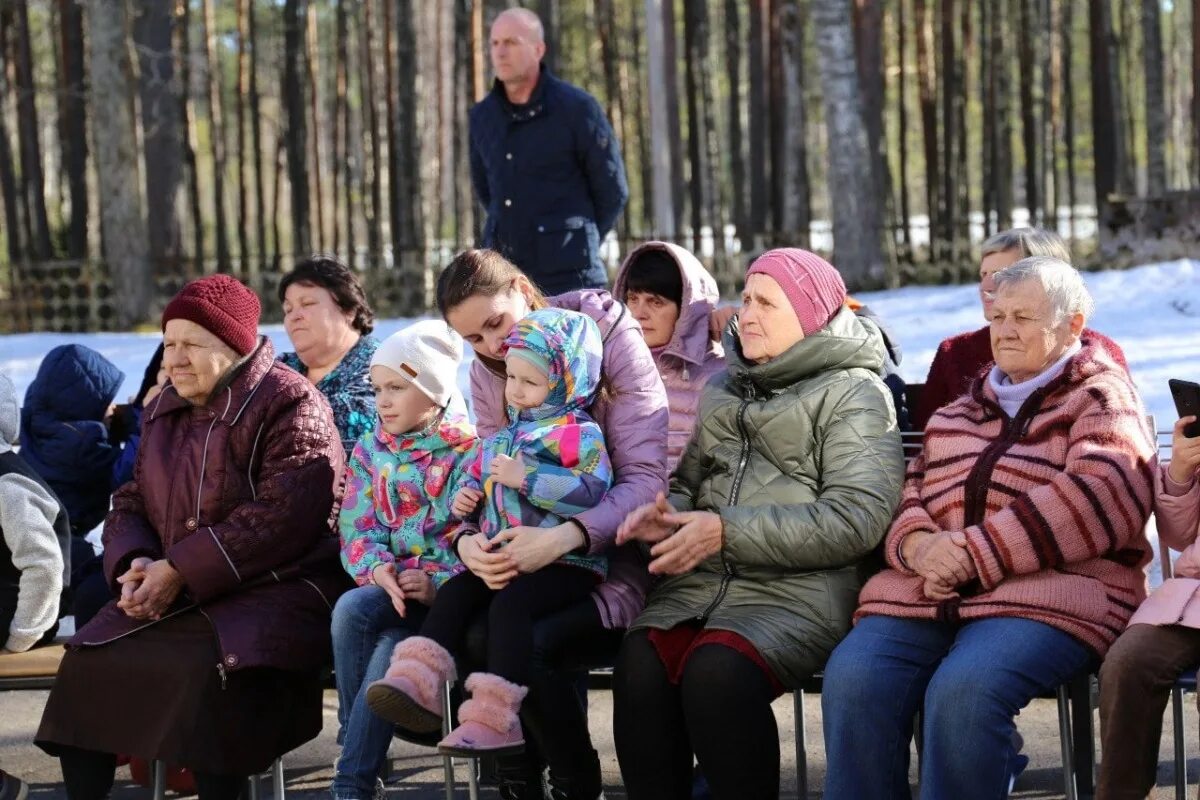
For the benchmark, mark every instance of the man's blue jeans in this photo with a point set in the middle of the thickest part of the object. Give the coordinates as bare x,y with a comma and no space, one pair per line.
969,679
366,628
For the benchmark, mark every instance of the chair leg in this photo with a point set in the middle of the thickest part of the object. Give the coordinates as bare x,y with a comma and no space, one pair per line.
801,745
1064,736
1083,735
158,778
253,788
280,781
473,778
447,761
1180,751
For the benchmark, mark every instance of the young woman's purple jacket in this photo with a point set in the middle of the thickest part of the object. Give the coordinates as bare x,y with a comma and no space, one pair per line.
634,417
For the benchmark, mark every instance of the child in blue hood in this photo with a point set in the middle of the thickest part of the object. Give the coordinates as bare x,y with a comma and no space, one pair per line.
548,464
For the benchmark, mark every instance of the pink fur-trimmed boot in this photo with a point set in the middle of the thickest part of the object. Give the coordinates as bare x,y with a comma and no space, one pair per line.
488,722
410,693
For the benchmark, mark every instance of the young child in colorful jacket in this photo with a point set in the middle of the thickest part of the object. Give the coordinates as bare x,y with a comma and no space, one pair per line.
396,529
547,464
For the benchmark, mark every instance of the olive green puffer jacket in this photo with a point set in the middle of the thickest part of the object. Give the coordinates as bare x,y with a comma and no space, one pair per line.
801,457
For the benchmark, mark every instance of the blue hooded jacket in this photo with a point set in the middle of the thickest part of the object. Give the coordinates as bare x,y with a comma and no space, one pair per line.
63,436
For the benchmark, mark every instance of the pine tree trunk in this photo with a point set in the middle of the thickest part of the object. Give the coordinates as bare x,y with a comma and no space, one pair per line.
857,216
1125,67
117,168
373,207
158,92
698,187
216,133
311,60
661,133
948,213
1156,113
548,11
260,211
28,130
868,30
395,184
464,198
1026,56
1068,99
789,150
610,59
670,60
902,127
927,98
987,93
352,136
1106,125
737,158
295,17
8,177
183,15
1001,30
72,124
339,130
759,144
639,64
962,232
1196,89
246,264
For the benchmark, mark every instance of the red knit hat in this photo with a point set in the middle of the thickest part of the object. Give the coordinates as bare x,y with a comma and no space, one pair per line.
222,306
811,284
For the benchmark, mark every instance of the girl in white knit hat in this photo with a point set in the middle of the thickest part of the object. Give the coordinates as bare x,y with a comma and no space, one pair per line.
395,526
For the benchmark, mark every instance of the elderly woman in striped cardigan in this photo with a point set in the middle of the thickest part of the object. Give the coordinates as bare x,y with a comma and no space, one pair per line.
1014,559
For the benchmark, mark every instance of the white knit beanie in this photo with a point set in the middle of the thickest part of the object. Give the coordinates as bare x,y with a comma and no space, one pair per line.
426,353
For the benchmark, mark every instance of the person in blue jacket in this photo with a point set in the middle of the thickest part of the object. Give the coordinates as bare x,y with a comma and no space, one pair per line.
545,164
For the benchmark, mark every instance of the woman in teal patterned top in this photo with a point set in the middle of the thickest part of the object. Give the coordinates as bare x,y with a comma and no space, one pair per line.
328,321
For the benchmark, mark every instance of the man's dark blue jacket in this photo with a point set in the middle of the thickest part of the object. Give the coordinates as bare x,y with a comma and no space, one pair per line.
550,175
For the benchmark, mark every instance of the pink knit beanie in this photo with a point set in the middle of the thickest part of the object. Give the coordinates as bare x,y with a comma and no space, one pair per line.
222,306
811,284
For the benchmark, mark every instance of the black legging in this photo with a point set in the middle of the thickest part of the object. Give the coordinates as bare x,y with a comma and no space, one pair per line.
511,612
566,644
89,774
720,711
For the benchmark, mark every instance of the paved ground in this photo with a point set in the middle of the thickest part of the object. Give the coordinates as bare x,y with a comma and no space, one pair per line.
417,774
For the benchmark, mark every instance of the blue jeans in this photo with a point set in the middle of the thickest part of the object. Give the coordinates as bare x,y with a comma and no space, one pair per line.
366,628
971,679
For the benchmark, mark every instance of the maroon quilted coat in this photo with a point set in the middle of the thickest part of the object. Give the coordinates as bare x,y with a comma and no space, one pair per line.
240,495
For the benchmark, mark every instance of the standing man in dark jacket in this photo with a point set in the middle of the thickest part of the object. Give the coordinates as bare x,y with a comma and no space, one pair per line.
545,164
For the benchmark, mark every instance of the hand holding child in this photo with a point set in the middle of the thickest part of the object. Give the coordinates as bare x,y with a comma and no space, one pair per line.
416,585
465,501
508,471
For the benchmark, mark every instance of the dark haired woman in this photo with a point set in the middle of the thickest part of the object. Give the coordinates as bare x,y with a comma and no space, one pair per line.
328,321
482,295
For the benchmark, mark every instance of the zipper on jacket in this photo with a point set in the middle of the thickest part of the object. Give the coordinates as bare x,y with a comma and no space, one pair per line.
743,461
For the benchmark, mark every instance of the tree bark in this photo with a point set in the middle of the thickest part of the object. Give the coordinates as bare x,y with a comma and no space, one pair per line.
670,60
1156,113
311,57
183,49
246,264
72,123
927,99
159,94
395,183
737,158
1026,56
857,217
1196,89
759,144
902,126
1068,99
789,125
28,129
295,17
411,234
548,11
260,211
373,208
216,133
700,183
8,176
661,136
868,30
948,213
117,167
1106,124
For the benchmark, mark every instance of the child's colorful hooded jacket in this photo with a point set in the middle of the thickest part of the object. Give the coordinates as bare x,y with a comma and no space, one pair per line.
397,502
567,468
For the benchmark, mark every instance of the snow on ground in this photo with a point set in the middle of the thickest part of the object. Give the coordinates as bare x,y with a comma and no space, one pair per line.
1153,312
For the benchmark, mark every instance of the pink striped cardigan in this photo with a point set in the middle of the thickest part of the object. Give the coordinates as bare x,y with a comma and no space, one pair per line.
1053,502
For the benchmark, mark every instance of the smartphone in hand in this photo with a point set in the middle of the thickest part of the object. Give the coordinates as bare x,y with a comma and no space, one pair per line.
1187,402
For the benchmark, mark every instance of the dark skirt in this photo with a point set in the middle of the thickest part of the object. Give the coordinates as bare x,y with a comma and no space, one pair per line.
158,694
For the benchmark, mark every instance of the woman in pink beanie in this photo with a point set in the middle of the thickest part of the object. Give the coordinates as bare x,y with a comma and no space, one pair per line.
223,558
788,482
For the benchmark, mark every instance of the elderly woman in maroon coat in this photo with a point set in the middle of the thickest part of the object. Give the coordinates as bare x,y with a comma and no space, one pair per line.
223,557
